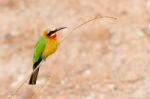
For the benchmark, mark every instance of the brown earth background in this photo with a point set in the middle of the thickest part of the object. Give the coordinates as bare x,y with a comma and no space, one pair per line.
105,59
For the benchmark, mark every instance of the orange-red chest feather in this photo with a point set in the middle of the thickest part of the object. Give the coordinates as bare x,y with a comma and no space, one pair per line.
54,36
51,45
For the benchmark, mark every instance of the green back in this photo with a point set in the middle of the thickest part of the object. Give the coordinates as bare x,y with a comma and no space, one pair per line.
39,48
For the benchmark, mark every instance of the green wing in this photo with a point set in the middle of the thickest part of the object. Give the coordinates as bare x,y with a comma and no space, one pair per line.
39,48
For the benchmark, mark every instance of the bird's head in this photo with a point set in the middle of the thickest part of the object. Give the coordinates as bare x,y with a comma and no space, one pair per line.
51,32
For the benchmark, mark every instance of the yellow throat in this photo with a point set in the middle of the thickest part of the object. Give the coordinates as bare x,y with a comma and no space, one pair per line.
51,45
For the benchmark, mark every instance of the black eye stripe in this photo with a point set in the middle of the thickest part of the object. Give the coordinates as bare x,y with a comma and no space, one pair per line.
50,33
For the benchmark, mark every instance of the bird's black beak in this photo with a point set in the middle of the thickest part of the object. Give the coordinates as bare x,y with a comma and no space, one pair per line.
58,29
54,31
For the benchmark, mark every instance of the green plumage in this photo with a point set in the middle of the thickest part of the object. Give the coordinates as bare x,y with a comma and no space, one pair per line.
39,48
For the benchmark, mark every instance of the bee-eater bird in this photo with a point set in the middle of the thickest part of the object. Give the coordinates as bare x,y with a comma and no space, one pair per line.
46,45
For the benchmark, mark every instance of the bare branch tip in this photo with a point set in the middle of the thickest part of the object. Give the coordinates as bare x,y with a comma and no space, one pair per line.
99,16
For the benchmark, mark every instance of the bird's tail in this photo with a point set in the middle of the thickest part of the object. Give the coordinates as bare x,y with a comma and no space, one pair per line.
33,77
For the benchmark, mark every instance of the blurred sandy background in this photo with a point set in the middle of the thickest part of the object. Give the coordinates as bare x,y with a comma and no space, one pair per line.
105,59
